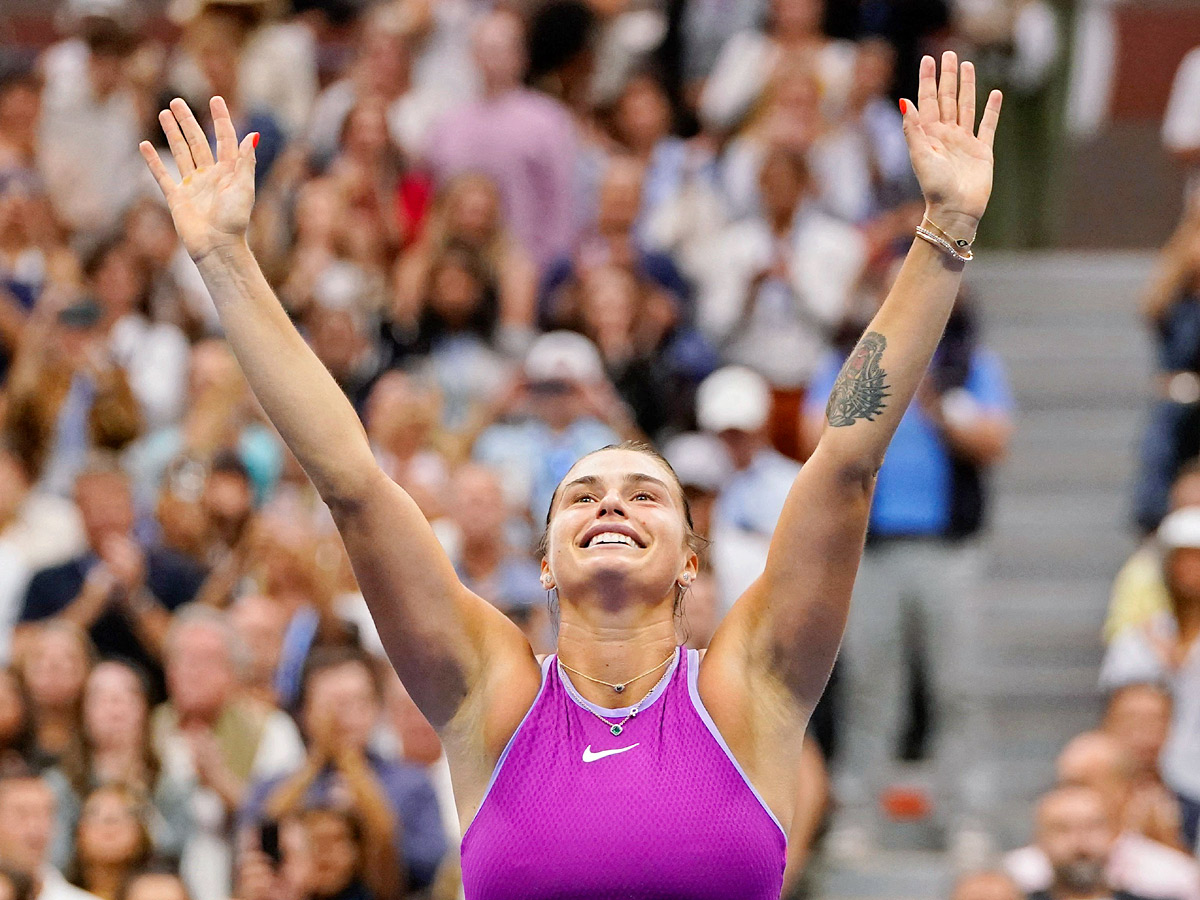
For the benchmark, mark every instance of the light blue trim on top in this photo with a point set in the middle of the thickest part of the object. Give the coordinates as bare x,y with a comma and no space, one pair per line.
693,664
657,691
508,747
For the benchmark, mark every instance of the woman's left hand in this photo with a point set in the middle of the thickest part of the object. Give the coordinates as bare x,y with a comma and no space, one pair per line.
952,162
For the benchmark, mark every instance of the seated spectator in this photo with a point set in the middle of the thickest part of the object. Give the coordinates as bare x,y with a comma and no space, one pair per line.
381,69
1129,861
114,747
467,214
404,425
53,665
613,240
779,284
1171,308
214,739
340,706
112,840
524,141
37,529
986,886
1075,841
20,108
153,355
1138,591
26,828
627,320
262,623
562,408
1163,651
18,745
67,398
219,415
751,59
120,591
733,404
350,860
1138,716
487,561
14,571
154,882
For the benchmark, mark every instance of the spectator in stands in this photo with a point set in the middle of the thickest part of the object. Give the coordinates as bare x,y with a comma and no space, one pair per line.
262,623
1075,848
924,557
154,882
986,886
112,840
487,561
20,109
1096,762
53,664
780,285
121,592
523,140
26,828
349,859
1164,650
340,706
38,529
1180,133
1138,592
92,109
467,213
14,570
114,747
751,59
734,404
17,736
563,407
210,736
66,395
152,354
1171,307
1138,716
382,69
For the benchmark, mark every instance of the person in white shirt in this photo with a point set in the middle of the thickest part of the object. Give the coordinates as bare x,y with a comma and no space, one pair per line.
1166,649
26,827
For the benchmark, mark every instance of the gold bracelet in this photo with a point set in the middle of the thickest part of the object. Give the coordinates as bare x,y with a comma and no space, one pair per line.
944,245
938,229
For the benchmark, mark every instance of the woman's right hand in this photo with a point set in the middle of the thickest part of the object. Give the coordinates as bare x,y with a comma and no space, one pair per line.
211,204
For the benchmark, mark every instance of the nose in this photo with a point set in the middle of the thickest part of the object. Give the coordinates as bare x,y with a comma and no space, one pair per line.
612,504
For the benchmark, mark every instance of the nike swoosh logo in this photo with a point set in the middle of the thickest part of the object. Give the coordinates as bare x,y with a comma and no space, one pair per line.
589,756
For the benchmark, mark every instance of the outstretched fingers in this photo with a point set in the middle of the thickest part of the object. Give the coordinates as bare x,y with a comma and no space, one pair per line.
178,143
927,100
165,183
196,139
966,96
227,142
947,92
990,118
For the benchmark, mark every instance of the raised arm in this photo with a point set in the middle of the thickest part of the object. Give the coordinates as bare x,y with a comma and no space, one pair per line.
440,637
789,624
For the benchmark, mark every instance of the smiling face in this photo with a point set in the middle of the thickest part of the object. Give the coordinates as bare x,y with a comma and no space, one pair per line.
618,527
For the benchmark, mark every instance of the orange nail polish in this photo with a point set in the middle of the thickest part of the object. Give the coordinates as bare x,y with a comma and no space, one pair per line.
254,140
902,109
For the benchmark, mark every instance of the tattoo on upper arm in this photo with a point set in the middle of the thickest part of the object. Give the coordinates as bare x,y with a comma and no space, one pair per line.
860,388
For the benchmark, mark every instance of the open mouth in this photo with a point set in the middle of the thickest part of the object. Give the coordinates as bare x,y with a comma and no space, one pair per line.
611,537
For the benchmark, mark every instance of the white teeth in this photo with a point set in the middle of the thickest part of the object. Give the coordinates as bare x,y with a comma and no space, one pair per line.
612,537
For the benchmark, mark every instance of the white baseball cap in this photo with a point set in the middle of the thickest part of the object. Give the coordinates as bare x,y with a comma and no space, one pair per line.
733,398
564,356
1181,529
699,459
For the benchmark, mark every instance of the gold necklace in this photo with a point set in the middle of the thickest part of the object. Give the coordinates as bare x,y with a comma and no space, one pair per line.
620,687
617,727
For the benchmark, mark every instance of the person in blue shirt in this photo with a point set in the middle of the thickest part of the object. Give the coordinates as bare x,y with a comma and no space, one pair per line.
924,564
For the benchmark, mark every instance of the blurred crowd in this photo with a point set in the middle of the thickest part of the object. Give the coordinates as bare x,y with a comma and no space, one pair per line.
514,232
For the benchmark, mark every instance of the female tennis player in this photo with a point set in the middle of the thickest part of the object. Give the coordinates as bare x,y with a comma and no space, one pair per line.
623,766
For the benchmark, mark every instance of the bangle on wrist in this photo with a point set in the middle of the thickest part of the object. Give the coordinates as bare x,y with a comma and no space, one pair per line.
945,245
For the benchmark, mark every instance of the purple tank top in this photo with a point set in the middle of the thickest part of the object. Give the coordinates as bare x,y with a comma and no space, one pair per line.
661,811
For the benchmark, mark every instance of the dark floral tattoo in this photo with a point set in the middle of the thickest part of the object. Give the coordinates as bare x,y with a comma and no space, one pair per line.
859,390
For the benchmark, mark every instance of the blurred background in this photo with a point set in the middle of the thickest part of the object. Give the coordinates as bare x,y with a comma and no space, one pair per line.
516,232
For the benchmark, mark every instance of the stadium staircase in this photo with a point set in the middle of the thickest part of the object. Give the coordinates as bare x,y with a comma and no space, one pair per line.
1066,325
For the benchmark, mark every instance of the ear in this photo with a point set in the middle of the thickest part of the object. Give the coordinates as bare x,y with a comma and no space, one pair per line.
691,568
547,578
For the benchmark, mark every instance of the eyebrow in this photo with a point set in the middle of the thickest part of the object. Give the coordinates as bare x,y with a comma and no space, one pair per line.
632,478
